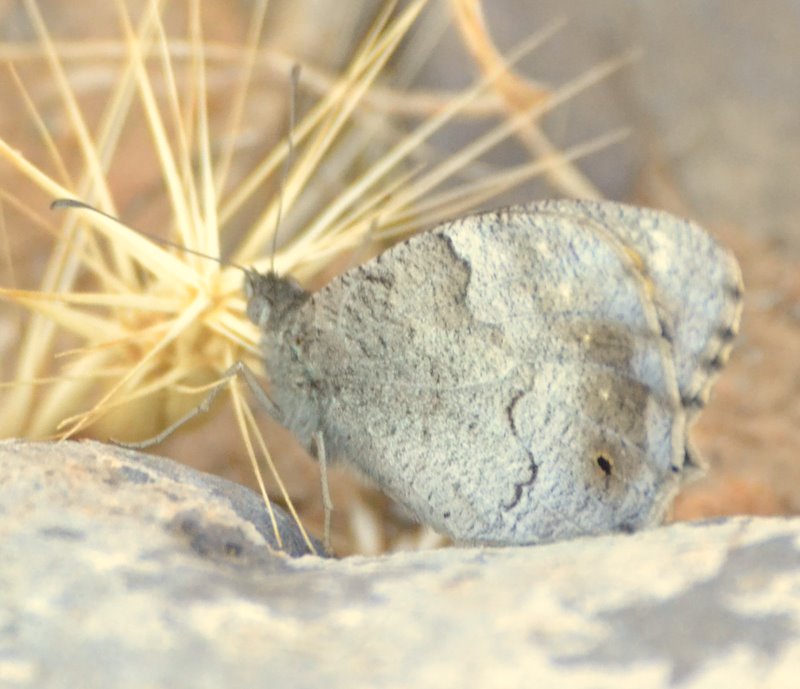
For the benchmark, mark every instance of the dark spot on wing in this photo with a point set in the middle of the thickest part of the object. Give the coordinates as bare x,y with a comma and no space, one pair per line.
666,331
735,291
692,402
605,463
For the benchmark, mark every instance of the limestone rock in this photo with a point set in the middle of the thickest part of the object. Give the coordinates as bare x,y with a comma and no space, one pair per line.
120,571
74,485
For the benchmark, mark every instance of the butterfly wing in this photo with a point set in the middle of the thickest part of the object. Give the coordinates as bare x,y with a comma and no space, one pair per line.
503,376
697,282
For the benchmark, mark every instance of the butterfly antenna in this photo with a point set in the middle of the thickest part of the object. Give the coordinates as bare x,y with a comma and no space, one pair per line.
294,80
74,203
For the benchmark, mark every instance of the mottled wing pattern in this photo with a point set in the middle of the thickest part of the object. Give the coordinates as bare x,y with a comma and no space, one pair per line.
504,376
697,281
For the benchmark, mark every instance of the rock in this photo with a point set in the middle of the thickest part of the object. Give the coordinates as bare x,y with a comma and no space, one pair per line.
121,571
71,486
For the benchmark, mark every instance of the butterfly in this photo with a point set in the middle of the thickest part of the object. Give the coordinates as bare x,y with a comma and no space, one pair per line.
516,376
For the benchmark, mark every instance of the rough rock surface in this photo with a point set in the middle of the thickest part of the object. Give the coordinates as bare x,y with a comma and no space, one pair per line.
66,487
105,584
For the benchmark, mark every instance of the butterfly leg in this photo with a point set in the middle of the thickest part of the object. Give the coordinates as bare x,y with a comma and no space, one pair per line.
239,368
327,503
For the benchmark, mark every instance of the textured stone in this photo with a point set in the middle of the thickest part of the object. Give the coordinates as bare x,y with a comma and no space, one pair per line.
67,487
105,585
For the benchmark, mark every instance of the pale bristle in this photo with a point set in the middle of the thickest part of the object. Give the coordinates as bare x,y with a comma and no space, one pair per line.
123,335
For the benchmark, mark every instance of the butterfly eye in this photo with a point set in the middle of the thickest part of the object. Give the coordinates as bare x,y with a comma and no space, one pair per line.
605,463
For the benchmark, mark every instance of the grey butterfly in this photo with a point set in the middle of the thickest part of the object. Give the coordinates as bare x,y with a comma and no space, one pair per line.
512,377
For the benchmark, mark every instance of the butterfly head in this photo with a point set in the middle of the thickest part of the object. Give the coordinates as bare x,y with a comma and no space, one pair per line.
271,299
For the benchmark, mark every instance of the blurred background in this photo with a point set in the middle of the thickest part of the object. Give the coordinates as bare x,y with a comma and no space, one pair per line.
711,100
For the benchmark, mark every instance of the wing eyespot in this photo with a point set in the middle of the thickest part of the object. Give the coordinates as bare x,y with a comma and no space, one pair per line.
605,463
